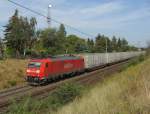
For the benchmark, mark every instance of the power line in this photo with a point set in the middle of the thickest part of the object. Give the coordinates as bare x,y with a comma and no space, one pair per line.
40,14
28,9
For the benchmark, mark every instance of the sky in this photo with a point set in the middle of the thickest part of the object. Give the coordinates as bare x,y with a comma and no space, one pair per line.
128,19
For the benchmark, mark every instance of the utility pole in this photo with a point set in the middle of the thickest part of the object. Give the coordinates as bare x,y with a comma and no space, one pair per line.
49,16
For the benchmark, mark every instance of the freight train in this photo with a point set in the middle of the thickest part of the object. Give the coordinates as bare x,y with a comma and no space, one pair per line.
51,68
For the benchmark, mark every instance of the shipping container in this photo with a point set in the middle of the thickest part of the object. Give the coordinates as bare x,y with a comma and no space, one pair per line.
97,59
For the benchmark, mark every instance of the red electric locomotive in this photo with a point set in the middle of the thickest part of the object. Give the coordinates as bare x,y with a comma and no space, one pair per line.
42,70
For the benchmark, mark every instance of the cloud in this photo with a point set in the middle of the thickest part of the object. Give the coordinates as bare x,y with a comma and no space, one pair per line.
94,16
102,15
102,9
86,16
91,11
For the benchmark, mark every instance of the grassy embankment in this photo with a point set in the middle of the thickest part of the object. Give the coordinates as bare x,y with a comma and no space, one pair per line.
12,72
127,92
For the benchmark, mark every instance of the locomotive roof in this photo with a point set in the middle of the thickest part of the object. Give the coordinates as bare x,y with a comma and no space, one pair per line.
64,58
58,58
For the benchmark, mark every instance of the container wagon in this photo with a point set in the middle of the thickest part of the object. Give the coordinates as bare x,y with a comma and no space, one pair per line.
98,59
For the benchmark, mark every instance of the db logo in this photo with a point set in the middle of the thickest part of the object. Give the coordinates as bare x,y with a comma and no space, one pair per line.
68,65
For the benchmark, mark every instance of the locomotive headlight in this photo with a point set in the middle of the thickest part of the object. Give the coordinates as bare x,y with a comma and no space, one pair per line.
28,70
37,71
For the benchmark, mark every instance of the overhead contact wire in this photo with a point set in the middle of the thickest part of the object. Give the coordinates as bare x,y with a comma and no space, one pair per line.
40,14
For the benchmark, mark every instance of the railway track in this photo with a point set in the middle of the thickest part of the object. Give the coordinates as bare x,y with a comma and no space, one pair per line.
18,93
14,90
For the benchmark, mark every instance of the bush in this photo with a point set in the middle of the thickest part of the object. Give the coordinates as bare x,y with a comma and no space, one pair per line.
9,53
134,62
1,58
67,93
12,82
148,51
22,108
141,58
137,60
63,95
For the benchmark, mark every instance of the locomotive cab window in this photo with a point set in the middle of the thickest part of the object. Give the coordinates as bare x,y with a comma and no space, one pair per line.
34,65
46,65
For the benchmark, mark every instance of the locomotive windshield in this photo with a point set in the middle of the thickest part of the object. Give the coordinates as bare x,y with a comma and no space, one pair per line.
34,65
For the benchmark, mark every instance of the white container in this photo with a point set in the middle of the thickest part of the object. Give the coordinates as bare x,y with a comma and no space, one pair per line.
97,59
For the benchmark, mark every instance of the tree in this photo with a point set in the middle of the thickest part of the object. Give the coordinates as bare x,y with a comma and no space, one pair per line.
22,37
12,33
61,35
49,40
75,44
19,33
100,44
90,45
114,44
32,32
61,31
148,48
1,48
119,45
148,44
29,32
124,45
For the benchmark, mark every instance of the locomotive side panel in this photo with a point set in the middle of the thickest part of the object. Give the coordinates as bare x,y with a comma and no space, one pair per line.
61,67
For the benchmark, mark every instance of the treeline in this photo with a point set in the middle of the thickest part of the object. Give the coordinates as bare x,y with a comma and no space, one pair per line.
22,39
148,48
